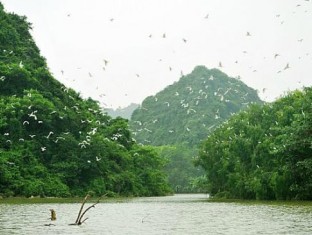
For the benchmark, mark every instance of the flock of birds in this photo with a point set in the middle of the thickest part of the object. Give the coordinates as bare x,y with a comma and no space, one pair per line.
190,105
103,96
35,118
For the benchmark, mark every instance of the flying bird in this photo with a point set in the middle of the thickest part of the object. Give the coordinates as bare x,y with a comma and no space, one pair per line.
276,55
248,34
287,66
50,133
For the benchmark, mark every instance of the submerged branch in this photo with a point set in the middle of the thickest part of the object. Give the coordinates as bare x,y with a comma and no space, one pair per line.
81,213
82,205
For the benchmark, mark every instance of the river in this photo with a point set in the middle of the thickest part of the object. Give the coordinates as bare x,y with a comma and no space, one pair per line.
178,214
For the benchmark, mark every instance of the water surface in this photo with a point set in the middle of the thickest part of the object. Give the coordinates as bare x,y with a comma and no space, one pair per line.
179,214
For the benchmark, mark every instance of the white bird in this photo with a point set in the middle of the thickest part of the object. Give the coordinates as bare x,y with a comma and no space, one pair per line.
97,158
43,149
50,133
21,64
26,122
32,114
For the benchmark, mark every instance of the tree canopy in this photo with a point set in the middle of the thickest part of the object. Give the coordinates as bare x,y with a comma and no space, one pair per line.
263,152
55,143
182,115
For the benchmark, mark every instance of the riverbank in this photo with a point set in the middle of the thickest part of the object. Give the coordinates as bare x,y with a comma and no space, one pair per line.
31,200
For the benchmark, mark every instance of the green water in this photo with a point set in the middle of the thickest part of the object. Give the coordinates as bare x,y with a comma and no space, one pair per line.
179,214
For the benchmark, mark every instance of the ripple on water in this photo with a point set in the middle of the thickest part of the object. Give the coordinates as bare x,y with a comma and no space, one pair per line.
179,214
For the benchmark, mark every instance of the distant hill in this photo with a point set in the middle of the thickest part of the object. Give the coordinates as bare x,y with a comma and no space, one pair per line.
188,110
122,112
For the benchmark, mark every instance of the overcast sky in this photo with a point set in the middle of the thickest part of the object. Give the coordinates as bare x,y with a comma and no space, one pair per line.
119,52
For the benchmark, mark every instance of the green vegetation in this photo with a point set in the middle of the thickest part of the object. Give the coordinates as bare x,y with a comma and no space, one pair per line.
188,110
183,115
53,142
264,152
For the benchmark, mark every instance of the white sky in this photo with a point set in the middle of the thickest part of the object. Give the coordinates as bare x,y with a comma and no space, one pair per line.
77,35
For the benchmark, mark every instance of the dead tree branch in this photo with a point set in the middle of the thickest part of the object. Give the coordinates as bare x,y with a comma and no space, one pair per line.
81,213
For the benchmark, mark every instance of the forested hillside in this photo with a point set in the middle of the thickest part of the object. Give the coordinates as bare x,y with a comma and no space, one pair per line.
188,110
53,142
264,152
184,114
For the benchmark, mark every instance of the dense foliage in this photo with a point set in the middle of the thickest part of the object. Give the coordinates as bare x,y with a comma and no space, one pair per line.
183,176
184,114
53,142
264,152
188,110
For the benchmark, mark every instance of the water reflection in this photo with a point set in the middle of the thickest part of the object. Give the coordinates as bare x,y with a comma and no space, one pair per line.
179,214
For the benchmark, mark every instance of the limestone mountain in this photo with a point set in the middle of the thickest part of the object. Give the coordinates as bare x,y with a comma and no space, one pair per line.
191,108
